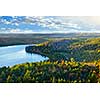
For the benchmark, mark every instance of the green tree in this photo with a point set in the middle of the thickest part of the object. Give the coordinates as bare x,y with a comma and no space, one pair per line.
9,79
3,76
27,76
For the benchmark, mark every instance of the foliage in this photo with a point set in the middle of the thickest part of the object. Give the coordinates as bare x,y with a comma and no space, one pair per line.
51,72
81,50
70,61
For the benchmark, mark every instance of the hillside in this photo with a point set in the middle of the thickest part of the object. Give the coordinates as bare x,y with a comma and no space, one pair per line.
51,72
80,49
21,38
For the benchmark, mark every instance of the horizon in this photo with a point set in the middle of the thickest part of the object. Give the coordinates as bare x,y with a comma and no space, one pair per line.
85,32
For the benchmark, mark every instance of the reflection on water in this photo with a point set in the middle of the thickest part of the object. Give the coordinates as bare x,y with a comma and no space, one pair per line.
11,55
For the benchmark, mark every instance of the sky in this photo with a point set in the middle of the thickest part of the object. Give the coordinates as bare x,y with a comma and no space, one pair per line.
49,24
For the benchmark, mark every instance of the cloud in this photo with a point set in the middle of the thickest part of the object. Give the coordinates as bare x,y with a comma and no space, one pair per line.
49,23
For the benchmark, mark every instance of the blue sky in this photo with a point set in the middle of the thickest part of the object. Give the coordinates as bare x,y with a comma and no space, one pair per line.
41,24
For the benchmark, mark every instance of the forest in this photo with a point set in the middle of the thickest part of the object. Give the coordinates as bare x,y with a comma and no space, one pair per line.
21,38
51,72
82,50
71,60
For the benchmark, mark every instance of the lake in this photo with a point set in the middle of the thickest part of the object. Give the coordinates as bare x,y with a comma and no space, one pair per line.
11,55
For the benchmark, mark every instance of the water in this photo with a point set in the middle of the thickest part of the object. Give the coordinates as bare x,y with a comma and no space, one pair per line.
11,55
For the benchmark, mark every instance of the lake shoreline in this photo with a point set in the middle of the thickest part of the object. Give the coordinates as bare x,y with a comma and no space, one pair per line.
16,54
28,49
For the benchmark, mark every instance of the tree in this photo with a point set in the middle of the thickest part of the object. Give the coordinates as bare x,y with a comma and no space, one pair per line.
9,79
27,76
3,76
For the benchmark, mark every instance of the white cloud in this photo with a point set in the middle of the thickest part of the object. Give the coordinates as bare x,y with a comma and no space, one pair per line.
16,24
56,23
5,21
